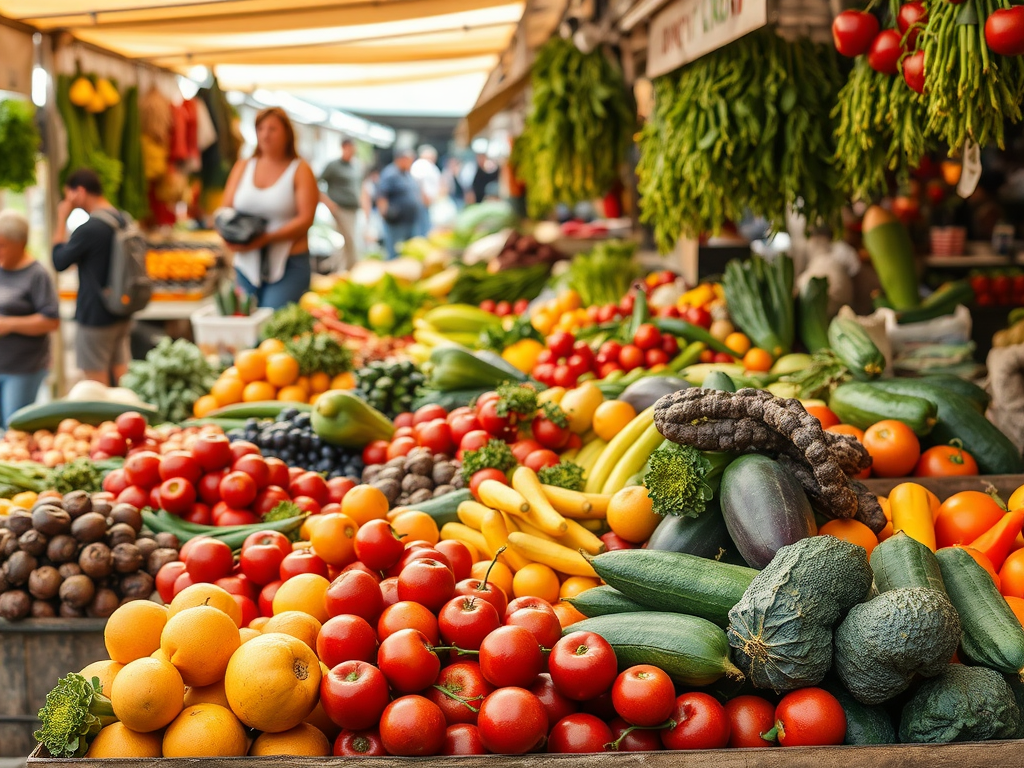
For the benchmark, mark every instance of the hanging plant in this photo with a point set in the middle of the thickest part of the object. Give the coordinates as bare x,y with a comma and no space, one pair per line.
19,140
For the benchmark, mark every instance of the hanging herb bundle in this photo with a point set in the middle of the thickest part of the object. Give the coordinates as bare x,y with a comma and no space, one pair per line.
20,141
578,131
880,128
746,127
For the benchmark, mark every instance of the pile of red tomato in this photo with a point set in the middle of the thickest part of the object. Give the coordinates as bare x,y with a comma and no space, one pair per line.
504,308
563,360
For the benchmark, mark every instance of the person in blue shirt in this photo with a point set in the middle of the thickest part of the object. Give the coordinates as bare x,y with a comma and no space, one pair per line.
399,201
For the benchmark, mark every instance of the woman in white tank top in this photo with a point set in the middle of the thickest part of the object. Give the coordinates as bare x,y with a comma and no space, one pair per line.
277,185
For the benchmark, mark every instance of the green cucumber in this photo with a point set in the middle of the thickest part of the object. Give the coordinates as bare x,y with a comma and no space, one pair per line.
95,412
901,562
978,396
862,405
855,349
691,650
675,582
812,314
259,409
443,508
704,535
888,243
943,301
602,601
691,332
959,420
992,635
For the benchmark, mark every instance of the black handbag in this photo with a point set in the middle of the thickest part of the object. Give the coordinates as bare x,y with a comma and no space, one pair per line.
238,228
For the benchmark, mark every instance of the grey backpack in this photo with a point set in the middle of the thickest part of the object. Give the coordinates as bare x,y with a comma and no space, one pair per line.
128,287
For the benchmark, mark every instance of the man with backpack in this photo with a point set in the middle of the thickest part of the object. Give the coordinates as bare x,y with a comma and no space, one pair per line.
112,282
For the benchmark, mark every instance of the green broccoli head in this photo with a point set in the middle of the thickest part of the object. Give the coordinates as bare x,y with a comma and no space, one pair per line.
676,480
495,455
75,711
284,510
564,474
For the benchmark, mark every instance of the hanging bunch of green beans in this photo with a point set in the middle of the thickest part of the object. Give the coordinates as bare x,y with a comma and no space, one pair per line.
880,128
579,128
745,128
970,91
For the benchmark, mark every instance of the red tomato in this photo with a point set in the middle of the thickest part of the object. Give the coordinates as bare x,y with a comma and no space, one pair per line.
749,717
278,472
428,413
885,51
503,309
458,691
964,516
357,593
911,14
486,474
200,514
313,485
269,498
555,704
647,336
237,517
853,32
354,694
458,555
247,607
523,448
613,541
701,723
401,446
489,591
653,357
110,444
463,739
237,584
180,464
268,538
208,487
261,556
462,424
306,504
540,459
266,599
427,582
302,561
337,487
560,343
419,550
437,436
408,661
255,467
577,365
187,547
512,722
165,578
346,638
412,726
240,448
403,420
944,461
644,695
810,717
630,357
143,469
579,733
134,495
669,345
365,743
540,619
510,656
563,377
131,425
492,422
183,581
465,621
213,452
377,545
115,481
405,615
237,489
635,740
154,497
376,452
609,351
208,560
913,75
474,440
177,496
549,434
582,665
1004,31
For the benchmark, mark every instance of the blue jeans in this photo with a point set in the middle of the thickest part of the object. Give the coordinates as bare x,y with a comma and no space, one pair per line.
287,290
423,222
18,390
396,234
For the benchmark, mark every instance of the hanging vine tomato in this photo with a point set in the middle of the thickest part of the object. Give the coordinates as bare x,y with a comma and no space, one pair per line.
853,32
913,71
911,14
1004,31
886,49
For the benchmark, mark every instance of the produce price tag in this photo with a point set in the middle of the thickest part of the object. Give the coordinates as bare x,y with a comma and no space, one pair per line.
971,174
688,29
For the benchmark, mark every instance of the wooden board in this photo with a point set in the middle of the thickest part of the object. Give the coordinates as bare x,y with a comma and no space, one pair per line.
944,487
1004,754
34,655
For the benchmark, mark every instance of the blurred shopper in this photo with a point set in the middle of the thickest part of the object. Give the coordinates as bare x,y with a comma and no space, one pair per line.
452,184
343,179
278,186
373,231
428,178
399,201
485,179
28,314
102,348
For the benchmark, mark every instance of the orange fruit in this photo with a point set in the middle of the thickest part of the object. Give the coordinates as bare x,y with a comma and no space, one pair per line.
303,739
319,719
207,694
611,417
1017,606
576,584
500,574
231,371
825,416
319,382
147,694
298,624
271,346
205,594
847,429
346,380
314,398
273,682
282,369
251,365
758,360
259,623
737,342
257,391
246,634
133,630
631,514
853,531
105,670
536,580
199,642
292,394
304,592
117,740
364,503
205,730
416,526
303,382
159,654
567,614
894,448
227,390
205,405
334,539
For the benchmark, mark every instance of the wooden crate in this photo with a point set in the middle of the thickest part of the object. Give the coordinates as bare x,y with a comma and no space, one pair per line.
944,487
1004,754
34,654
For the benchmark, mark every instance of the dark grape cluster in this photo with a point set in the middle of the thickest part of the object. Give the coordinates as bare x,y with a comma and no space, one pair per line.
291,438
390,387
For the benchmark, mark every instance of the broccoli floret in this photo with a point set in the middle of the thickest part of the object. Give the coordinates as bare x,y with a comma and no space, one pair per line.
676,480
564,474
496,454
75,711
282,511
517,400
554,413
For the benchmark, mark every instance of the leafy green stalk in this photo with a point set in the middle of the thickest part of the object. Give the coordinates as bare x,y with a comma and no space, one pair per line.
517,399
564,474
286,323
75,711
495,455
680,479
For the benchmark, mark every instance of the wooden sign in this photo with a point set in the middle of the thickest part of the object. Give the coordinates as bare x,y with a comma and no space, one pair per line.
689,29
16,62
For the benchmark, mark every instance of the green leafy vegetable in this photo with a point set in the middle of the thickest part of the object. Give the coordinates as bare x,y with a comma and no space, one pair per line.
603,274
760,298
676,480
476,283
78,475
517,399
172,377
75,711
320,352
353,302
20,141
564,474
285,510
554,413
286,323
496,338
495,455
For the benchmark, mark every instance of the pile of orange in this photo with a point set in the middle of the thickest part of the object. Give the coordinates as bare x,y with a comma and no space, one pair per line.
267,373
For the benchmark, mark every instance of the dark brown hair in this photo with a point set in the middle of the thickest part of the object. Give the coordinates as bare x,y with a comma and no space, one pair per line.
289,131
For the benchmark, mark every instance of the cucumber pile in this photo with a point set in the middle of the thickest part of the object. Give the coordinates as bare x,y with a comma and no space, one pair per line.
389,387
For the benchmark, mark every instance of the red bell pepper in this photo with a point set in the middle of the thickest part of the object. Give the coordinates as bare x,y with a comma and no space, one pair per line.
996,542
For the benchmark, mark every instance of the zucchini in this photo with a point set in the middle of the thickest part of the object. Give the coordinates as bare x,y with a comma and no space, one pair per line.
602,601
959,420
812,314
901,562
978,396
691,650
703,536
95,412
943,301
855,349
888,244
764,507
674,582
444,508
863,404
259,409
992,635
